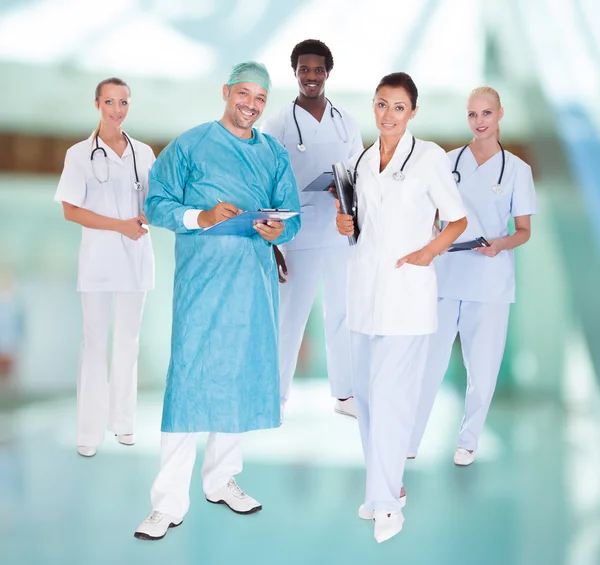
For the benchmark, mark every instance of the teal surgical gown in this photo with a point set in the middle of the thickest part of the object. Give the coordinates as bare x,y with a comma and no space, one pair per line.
224,373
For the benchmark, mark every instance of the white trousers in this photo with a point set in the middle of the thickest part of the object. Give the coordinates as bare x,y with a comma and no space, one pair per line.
170,492
307,268
482,329
387,375
108,400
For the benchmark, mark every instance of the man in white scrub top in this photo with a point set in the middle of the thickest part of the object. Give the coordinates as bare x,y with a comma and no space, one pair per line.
477,287
316,135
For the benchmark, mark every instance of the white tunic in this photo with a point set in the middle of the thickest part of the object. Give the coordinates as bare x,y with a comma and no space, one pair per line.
109,261
395,219
329,141
468,275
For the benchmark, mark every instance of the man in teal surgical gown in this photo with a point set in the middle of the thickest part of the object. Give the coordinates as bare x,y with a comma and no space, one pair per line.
223,376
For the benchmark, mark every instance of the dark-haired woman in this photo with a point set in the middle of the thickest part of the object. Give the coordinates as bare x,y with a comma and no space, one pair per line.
392,290
102,187
477,287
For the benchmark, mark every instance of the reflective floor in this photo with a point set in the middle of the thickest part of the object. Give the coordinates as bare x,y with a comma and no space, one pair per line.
531,498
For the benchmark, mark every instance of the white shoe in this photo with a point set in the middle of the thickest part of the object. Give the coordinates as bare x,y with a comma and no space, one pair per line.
387,524
156,526
126,439
463,457
346,407
233,496
86,451
365,514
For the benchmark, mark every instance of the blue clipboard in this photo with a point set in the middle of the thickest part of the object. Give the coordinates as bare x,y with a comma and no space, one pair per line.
321,183
242,225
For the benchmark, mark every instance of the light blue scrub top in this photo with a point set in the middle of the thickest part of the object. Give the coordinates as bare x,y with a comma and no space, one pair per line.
223,375
471,276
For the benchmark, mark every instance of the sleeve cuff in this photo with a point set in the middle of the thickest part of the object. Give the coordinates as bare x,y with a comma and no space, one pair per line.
190,219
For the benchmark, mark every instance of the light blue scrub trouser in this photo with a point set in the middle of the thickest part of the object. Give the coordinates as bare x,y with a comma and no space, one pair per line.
482,329
387,372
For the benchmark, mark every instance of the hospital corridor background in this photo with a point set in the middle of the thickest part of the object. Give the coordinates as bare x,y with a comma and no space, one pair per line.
533,495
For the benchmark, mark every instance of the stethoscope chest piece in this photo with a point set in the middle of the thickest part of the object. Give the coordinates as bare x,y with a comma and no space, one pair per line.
399,176
497,189
301,147
137,186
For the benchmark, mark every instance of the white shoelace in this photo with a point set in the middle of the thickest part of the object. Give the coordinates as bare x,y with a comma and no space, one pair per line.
156,516
235,489
462,451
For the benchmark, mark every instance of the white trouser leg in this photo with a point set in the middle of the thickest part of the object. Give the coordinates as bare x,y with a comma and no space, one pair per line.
482,329
222,460
386,397
129,307
92,383
337,335
296,299
170,492
438,358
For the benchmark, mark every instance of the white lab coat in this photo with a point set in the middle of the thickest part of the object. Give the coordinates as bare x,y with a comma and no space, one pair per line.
392,310
395,219
318,254
113,271
475,291
109,261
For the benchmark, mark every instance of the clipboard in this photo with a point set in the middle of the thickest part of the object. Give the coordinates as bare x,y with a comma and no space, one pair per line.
242,225
469,245
345,192
321,183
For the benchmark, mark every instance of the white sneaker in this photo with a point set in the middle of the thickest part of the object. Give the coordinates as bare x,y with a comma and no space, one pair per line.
86,451
346,407
463,457
126,439
233,496
365,514
156,526
387,524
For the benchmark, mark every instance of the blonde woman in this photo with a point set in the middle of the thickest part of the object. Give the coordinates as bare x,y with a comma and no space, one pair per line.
477,286
102,188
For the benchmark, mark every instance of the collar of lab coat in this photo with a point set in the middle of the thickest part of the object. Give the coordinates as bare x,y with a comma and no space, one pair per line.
109,152
400,153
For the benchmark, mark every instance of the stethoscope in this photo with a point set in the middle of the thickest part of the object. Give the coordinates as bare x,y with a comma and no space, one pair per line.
398,175
301,147
137,185
497,188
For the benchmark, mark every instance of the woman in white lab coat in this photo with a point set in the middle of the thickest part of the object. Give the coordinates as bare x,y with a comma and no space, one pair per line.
392,290
476,287
102,187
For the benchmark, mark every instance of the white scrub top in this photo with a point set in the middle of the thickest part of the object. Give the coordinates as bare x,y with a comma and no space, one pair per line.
468,275
395,219
109,261
326,142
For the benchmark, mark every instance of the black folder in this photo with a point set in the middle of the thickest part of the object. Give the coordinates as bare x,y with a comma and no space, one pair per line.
468,245
346,195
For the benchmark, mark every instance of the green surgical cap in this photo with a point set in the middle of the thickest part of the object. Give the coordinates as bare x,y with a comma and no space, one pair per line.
250,71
